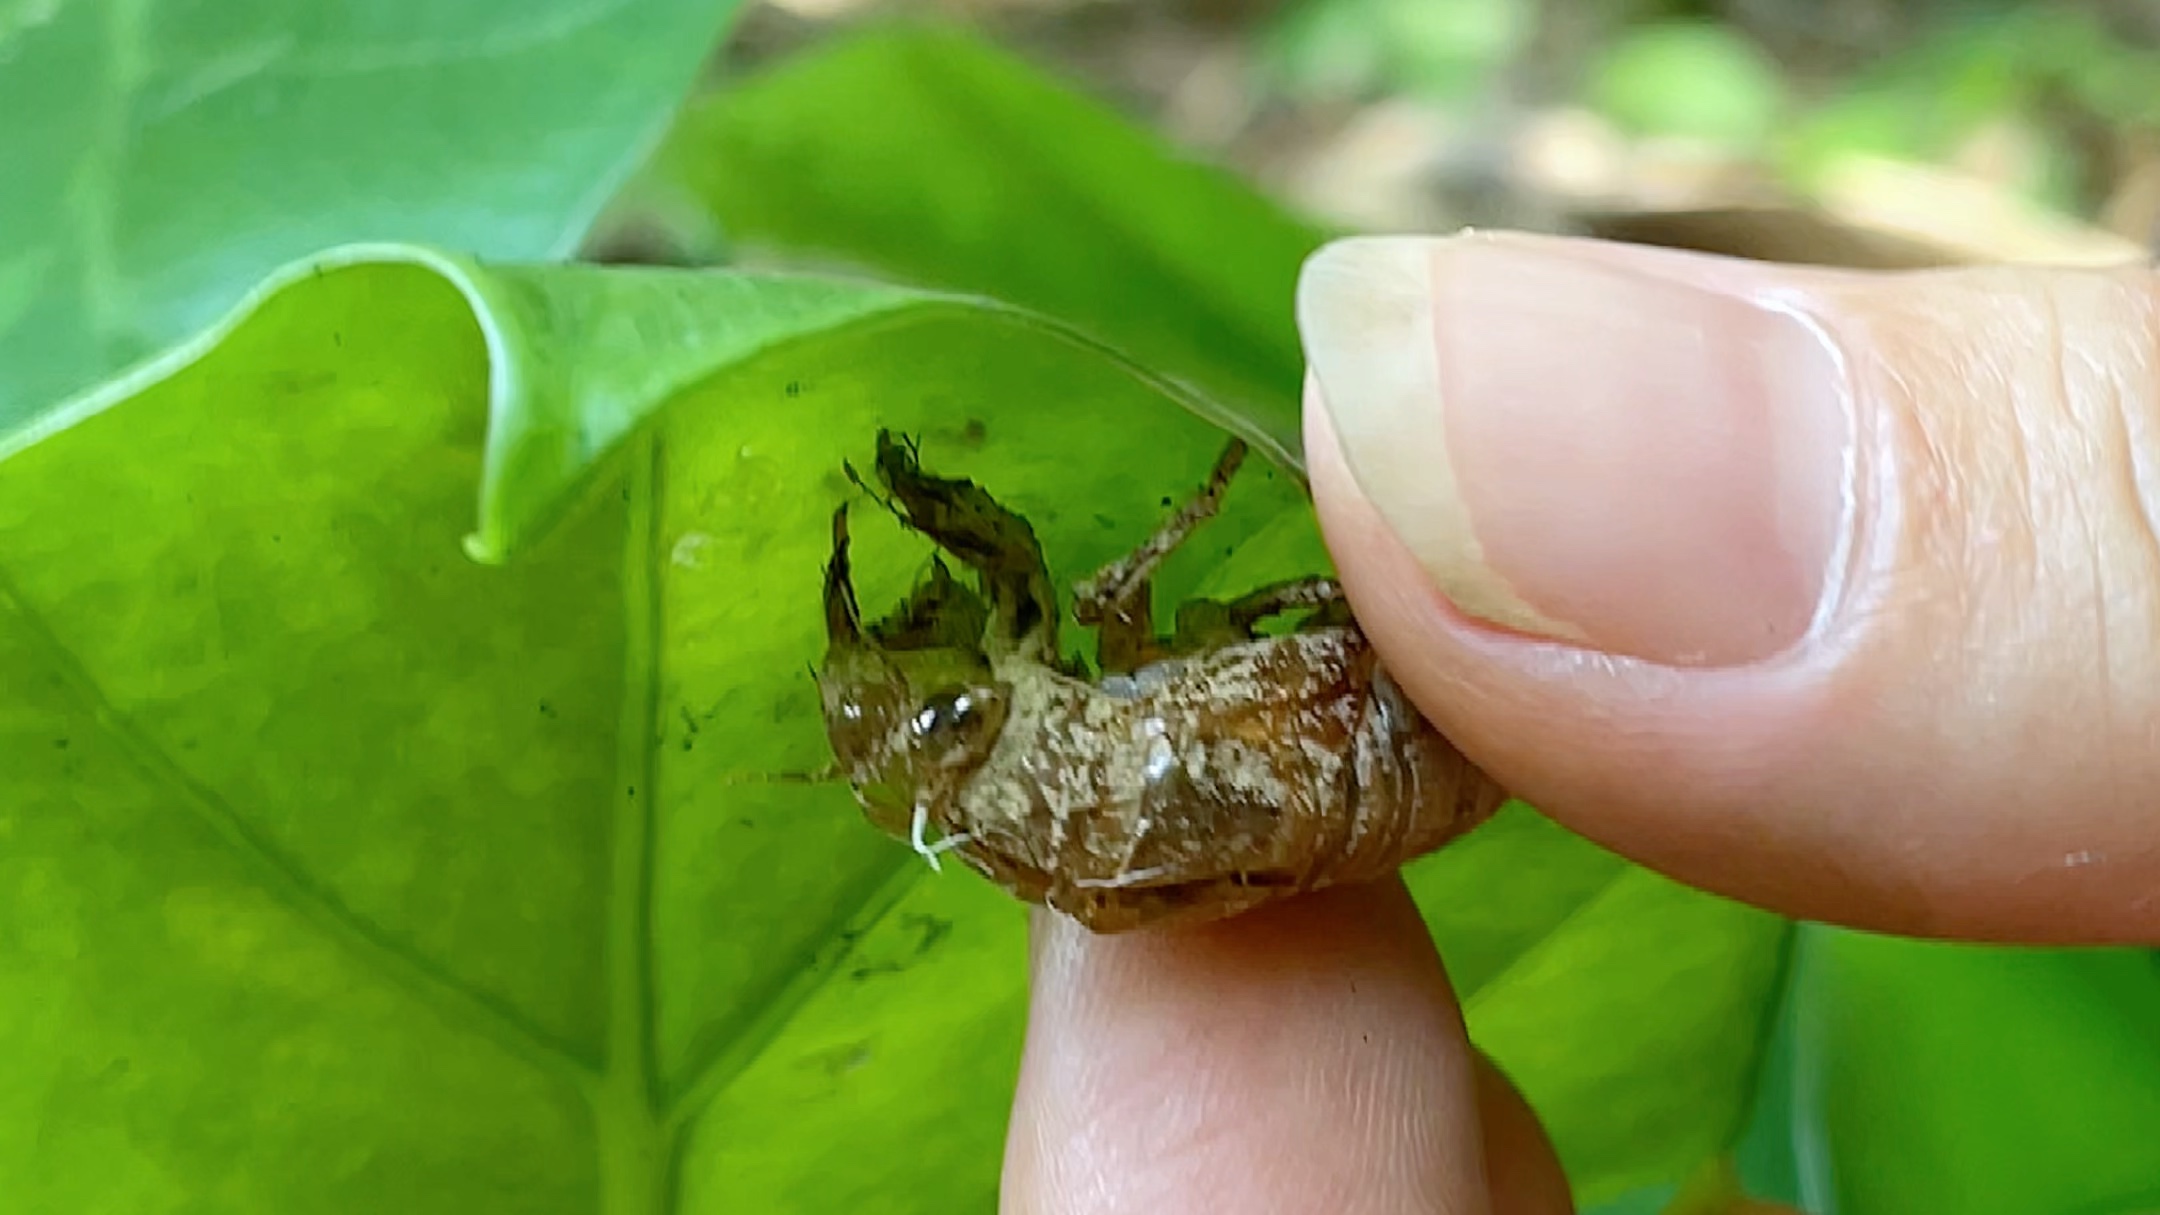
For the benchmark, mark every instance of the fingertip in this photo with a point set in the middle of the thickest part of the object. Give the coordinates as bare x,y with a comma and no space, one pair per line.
1610,451
1305,1056
1522,1168
1959,743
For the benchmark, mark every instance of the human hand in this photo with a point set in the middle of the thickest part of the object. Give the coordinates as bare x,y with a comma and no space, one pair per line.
1833,592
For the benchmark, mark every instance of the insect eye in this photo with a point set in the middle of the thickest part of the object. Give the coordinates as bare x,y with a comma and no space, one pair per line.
945,713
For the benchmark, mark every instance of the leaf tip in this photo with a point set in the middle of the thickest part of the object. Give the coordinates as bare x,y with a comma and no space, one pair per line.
482,548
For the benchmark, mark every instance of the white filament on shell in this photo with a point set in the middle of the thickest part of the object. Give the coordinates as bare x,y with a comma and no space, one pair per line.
926,848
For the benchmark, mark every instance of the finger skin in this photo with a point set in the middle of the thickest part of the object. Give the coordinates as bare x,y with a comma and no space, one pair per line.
1306,1057
1522,1170
1968,744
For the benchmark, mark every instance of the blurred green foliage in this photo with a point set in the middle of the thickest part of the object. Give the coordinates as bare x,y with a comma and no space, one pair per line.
1687,70
2038,67
1354,48
1689,79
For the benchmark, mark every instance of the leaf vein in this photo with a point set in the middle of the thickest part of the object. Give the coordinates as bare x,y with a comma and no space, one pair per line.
1545,941
561,25
95,188
635,1152
728,1054
287,884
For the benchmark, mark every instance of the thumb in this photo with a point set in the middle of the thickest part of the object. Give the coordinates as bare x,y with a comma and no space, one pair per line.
1835,592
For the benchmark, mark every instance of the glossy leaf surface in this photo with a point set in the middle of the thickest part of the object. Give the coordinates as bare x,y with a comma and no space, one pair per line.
342,865
162,157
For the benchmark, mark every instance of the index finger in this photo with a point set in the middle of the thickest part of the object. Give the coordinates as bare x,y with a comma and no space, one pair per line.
1308,1056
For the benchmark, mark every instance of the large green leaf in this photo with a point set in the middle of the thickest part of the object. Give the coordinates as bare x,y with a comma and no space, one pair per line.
936,159
161,157
343,872
1987,1081
1630,1010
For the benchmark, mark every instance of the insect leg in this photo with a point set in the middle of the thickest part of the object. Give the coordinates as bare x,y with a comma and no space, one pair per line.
997,544
1250,609
1204,624
843,619
1124,631
1118,602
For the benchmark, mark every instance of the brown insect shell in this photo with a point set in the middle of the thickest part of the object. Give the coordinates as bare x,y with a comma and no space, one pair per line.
1208,785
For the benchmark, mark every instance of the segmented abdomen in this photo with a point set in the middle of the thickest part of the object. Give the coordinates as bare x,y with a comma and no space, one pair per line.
1241,776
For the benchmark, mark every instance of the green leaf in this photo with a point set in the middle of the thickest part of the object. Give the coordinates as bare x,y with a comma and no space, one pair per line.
345,873
1767,1158
180,152
1630,1010
932,158
302,802
1935,1077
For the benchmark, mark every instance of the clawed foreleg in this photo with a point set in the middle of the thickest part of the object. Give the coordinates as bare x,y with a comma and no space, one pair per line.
1118,600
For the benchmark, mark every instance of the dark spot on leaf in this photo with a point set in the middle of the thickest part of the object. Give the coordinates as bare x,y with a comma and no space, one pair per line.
930,930
974,432
60,743
1166,502
794,388
689,720
632,790
1105,522
745,823
874,969
842,1060
547,710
